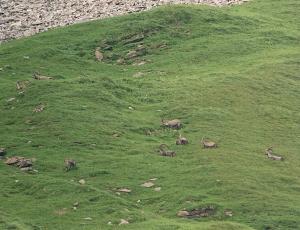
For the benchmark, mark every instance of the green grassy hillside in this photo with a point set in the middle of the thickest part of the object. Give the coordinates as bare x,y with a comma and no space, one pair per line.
230,74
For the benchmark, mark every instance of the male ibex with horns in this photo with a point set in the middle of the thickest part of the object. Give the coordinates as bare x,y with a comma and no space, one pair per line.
70,164
181,140
163,151
208,144
174,124
269,153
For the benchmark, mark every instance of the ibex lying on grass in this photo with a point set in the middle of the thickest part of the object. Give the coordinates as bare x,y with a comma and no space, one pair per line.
269,153
208,144
182,140
164,152
37,76
70,164
21,85
174,124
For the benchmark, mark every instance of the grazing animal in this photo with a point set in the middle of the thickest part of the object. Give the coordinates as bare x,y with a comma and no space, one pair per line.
70,164
269,153
37,76
98,54
164,152
174,124
208,144
182,140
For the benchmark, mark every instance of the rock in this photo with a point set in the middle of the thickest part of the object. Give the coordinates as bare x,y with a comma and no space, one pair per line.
39,108
228,213
24,163
148,184
98,55
125,190
157,189
76,204
122,221
88,218
26,169
13,160
82,181
10,99
182,213
24,18
138,74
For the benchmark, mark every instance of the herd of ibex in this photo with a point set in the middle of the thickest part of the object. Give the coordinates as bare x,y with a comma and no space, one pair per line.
206,143
176,124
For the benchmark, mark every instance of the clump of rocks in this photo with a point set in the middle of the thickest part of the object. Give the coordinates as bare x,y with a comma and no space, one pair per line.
27,17
21,162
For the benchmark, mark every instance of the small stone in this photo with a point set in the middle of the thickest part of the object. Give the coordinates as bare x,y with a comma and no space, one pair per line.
157,189
153,179
122,221
109,223
88,218
26,57
98,55
125,190
182,213
26,169
228,213
76,204
82,181
130,108
138,201
11,99
148,184
138,74
16,181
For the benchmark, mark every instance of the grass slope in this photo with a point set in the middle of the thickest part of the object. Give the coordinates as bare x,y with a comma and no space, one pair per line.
231,74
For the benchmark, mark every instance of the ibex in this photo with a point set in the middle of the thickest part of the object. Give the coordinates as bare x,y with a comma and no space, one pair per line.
174,124
208,144
182,140
70,164
164,152
269,153
37,76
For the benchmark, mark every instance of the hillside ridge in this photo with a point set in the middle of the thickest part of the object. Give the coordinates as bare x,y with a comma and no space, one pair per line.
25,18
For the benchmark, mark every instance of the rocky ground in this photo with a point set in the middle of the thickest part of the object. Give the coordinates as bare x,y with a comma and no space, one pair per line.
20,18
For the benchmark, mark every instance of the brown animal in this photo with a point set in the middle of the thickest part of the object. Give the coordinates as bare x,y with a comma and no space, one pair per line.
208,144
174,124
98,54
37,76
70,164
21,85
163,151
269,153
182,140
